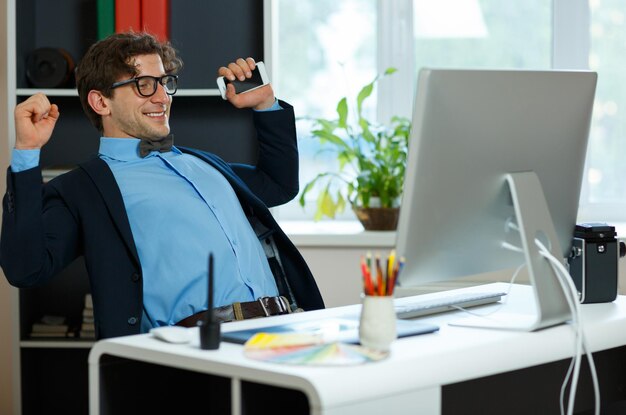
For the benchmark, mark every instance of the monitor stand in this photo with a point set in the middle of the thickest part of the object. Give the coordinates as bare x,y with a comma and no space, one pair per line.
534,221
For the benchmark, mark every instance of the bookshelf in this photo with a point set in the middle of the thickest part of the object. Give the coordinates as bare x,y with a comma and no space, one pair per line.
52,372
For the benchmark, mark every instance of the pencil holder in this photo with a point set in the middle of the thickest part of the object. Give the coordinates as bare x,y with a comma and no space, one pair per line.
377,327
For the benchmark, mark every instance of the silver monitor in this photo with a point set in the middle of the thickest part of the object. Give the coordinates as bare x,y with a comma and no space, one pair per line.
486,148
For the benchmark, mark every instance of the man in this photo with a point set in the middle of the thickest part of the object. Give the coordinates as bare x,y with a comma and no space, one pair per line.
145,215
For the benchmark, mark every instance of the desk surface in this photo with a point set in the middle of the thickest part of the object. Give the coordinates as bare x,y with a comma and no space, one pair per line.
453,354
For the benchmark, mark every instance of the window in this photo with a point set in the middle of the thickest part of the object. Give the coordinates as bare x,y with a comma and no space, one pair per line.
604,196
327,49
482,33
324,50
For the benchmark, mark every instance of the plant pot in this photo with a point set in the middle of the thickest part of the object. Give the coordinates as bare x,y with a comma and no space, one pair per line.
378,219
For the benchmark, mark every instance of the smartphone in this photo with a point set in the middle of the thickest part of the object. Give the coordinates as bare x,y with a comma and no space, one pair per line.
258,79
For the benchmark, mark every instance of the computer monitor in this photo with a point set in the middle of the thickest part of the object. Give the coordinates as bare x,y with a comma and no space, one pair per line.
489,149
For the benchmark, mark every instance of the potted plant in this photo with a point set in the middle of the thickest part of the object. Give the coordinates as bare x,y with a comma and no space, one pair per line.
371,164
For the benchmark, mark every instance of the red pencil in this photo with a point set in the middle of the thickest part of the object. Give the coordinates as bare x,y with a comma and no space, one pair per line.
367,278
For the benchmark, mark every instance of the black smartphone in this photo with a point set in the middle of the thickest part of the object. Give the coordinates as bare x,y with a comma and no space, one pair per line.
259,78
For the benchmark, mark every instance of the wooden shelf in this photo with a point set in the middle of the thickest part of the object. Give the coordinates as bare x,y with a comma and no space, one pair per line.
57,344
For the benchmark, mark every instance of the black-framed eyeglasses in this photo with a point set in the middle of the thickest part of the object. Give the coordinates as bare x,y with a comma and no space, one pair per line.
147,85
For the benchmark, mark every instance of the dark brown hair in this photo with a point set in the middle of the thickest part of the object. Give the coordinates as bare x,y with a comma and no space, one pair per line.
111,58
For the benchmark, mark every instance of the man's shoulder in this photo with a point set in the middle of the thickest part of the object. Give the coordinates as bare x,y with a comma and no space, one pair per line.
94,167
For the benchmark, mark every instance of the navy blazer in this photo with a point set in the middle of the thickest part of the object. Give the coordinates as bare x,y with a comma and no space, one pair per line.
81,213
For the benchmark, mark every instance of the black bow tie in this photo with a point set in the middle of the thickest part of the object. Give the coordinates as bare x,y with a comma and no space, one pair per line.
162,145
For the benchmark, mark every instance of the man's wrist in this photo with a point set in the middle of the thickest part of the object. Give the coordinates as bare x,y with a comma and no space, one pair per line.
275,106
24,159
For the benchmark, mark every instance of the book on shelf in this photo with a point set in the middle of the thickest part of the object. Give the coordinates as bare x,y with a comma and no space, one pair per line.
39,335
50,326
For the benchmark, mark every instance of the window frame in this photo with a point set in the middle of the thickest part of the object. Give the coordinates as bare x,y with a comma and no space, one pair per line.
571,47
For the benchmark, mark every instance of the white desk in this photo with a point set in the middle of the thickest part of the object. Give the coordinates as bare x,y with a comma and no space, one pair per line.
409,381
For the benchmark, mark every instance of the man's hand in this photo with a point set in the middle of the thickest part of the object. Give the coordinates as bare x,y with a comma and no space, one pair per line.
34,121
258,99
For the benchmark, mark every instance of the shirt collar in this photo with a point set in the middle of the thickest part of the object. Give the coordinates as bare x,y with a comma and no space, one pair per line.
125,149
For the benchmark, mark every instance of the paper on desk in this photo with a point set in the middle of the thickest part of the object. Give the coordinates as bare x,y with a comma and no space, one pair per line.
307,349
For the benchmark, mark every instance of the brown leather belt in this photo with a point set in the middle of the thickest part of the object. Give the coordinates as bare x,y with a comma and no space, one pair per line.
263,307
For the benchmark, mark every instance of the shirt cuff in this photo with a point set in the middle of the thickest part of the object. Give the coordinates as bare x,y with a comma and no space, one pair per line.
275,107
24,159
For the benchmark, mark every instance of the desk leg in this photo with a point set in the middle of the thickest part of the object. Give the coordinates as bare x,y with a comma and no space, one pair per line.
235,396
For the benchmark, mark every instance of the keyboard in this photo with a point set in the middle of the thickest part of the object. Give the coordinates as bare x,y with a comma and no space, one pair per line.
420,307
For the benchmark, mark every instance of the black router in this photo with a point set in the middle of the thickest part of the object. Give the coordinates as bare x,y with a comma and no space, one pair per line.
210,331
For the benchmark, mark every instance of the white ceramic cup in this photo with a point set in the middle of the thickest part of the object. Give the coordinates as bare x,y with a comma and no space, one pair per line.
377,327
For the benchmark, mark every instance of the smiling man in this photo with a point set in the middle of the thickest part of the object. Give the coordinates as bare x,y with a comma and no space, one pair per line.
146,214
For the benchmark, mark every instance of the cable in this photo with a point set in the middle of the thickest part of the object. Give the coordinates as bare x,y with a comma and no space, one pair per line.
501,304
571,296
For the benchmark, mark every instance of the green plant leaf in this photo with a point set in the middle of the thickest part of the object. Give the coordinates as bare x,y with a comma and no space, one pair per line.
306,190
389,71
365,92
327,206
365,127
326,125
342,111
341,202
334,139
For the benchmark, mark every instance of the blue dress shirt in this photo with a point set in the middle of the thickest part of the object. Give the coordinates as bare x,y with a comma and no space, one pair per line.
180,209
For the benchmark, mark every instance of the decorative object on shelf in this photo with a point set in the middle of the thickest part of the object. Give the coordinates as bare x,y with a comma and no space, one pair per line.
87,326
372,162
50,68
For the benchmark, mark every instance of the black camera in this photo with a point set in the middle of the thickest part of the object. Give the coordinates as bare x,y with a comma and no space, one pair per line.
593,262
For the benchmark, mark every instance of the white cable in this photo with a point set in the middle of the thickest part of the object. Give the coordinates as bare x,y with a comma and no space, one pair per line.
511,247
576,360
567,280
571,295
502,303
573,305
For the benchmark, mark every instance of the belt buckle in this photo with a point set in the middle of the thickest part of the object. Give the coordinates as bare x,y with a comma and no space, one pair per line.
260,300
285,308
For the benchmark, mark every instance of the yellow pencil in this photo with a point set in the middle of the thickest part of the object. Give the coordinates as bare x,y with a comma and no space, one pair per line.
392,257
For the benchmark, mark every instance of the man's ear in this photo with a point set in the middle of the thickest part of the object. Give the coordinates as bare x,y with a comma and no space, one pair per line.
98,102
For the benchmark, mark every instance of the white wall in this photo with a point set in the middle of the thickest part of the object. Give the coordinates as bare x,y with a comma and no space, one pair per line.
6,310
336,270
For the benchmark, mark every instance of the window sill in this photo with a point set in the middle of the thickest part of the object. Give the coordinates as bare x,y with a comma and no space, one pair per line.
336,233
350,233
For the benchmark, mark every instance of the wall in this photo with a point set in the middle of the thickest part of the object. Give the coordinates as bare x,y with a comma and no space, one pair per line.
338,275
6,310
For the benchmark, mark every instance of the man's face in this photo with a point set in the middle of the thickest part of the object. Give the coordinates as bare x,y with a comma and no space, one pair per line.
133,115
